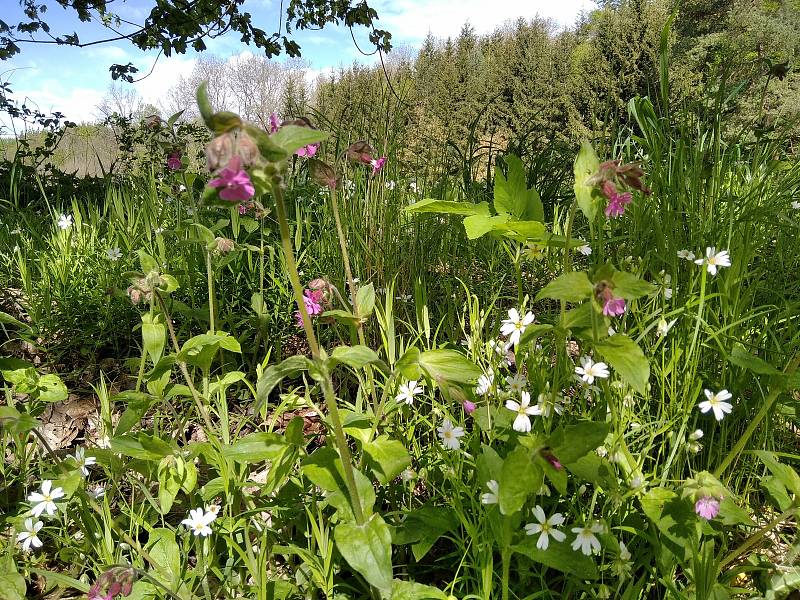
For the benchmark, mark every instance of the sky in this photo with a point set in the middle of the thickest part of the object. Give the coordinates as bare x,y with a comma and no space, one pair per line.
74,80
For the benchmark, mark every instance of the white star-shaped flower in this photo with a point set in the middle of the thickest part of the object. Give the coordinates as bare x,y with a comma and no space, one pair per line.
796,204
716,402
450,434
589,370
546,527
547,404
586,540
485,382
408,391
714,259
29,537
113,254
198,522
45,500
517,383
83,462
586,249
523,409
65,222
686,254
514,326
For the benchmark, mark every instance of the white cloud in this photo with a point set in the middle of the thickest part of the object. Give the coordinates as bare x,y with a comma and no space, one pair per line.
76,103
412,19
166,74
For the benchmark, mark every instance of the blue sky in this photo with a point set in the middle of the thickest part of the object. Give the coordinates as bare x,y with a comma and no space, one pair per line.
74,80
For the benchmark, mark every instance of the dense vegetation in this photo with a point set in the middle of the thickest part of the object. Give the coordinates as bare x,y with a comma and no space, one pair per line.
516,318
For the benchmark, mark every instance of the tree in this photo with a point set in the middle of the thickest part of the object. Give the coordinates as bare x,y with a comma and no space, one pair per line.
174,27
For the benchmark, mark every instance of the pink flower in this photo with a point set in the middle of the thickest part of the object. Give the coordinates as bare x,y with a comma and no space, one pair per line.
313,300
242,209
307,151
274,123
174,161
469,407
616,201
614,307
377,164
707,507
235,182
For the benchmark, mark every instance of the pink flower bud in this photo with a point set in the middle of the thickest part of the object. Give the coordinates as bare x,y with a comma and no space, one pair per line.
469,407
707,507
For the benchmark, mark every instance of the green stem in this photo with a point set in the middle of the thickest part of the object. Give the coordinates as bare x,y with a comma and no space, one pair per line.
703,278
326,383
210,278
757,536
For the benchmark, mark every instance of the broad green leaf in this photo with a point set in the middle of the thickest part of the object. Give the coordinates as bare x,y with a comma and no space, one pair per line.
479,225
627,359
367,548
365,300
519,478
165,551
431,205
408,590
776,491
523,231
16,422
199,351
256,447
785,474
51,388
571,287
730,513
386,458
534,331
630,287
675,519
273,375
324,468
223,122
6,319
742,358
203,233
355,356
170,479
424,526
586,165
137,405
559,556
343,316
293,137
511,193
147,262
449,365
271,151
154,337
408,364
573,442
12,584
129,445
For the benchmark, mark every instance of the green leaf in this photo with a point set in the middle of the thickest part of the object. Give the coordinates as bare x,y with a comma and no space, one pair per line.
408,590
365,300
324,468
267,147
675,519
274,374
223,122
147,262
408,364
534,331
386,458
742,358
12,584
431,205
129,445
138,403
367,548
559,556
7,319
154,336
448,365
343,316
519,477
785,474
200,350
52,577
166,553
776,491
52,389
424,526
523,231
586,165
204,104
630,287
570,287
627,359
293,137
511,193
479,225
256,447
355,356
16,422
573,442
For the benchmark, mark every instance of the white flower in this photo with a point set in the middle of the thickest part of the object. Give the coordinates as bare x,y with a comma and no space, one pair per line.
664,327
523,409
407,392
516,383
198,522
390,184
586,540
546,404
485,382
159,230
547,528
45,501
113,254
98,492
589,370
83,461
586,249
795,205
408,475
668,293
611,331
450,435
514,326
212,511
638,483
716,402
65,222
686,254
490,497
624,553
29,537
413,186
601,451
696,435
714,259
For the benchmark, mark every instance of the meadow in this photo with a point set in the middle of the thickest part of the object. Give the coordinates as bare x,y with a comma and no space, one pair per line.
312,367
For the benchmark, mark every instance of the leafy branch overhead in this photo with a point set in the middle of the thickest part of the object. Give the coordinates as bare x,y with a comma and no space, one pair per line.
169,29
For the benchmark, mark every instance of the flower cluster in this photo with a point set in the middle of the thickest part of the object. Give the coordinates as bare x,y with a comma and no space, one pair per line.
612,177
613,306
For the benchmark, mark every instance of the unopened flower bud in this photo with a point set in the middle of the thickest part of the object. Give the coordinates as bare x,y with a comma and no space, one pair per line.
219,151
224,245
